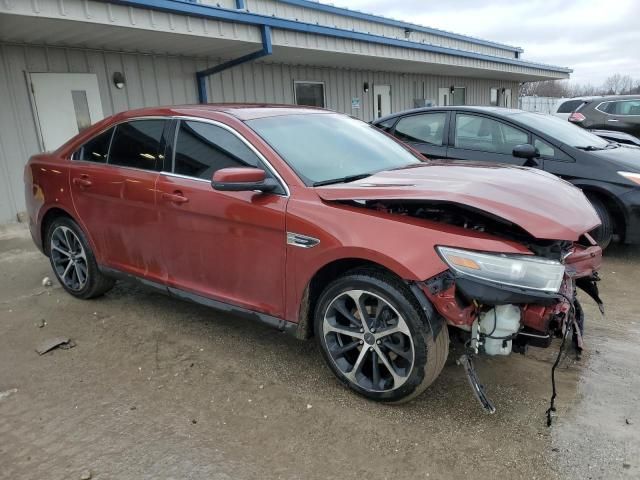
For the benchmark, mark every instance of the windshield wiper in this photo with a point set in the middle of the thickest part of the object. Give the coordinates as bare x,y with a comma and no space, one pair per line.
347,179
590,148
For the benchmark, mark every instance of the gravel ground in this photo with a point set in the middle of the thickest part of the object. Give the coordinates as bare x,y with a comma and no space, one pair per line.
158,388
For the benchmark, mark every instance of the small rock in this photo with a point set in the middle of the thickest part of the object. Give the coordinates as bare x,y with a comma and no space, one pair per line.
7,393
626,465
133,407
309,406
194,421
86,475
41,323
46,282
628,421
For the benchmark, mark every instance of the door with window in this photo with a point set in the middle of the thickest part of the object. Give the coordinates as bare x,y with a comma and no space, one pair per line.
482,138
65,104
425,132
382,100
113,180
620,115
227,246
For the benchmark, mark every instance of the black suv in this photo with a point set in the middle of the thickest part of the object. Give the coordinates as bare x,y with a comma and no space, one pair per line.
620,113
607,172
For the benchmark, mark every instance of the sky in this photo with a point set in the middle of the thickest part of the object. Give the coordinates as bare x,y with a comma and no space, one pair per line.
593,37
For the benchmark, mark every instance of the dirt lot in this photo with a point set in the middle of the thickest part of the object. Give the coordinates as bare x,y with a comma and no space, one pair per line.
158,388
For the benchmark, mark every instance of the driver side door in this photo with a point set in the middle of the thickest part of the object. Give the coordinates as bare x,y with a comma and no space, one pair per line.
486,139
225,246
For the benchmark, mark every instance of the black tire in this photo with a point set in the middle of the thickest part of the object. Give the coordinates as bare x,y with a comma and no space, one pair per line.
90,284
394,297
604,233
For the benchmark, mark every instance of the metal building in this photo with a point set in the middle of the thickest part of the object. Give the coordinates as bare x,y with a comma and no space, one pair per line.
64,64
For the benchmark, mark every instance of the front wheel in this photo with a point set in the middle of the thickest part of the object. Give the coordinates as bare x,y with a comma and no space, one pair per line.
604,233
374,337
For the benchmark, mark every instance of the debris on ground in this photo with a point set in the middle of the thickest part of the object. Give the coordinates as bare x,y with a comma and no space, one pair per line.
46,282
628,421
309,406
85,475
41,323
64,343
8,393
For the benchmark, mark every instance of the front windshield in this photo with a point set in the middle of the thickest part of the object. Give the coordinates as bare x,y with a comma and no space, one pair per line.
561,130
324,147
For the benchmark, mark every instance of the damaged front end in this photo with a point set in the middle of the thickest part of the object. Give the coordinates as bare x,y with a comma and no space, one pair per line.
504,303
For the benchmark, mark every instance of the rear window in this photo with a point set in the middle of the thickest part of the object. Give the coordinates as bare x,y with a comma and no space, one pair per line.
570,106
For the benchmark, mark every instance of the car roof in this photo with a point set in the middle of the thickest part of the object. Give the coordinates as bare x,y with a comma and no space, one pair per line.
241,111
499,111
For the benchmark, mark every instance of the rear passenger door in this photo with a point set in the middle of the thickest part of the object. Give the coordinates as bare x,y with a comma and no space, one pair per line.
483,138
113,187
621,115
426,132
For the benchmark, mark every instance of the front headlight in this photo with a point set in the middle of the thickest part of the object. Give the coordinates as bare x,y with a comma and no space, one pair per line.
522,271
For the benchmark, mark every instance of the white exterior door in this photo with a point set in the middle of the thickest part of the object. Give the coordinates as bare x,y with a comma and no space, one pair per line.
443,97
381,100
66,104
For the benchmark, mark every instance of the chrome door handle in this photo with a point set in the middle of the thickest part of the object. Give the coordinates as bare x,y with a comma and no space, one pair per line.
612,120
175,197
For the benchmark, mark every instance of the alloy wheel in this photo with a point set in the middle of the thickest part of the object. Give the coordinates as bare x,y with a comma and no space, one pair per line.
368,341
69,258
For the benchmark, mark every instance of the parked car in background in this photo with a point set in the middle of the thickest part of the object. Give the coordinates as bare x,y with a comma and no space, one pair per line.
567,106
618,137
320,225
608,173
619,112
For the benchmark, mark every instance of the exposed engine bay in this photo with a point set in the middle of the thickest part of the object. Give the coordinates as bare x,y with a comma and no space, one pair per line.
501,315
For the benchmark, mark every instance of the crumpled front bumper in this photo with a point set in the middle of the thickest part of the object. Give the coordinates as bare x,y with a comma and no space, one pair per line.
459,299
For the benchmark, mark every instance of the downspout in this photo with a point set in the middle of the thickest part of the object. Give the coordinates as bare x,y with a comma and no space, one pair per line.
201,76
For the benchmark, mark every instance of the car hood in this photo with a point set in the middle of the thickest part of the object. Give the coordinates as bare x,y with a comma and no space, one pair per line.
540,203
626,156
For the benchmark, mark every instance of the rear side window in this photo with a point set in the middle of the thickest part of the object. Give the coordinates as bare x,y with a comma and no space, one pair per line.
203,148
626,107
570,106
138,144
425,128
96,149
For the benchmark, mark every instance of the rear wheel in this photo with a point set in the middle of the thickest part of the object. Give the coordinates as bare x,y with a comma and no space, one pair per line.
374,337
604,233
73,261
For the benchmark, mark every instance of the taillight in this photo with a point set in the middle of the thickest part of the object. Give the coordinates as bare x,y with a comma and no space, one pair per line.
577,117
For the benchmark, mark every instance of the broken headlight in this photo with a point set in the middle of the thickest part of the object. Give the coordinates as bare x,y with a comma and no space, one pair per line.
523,271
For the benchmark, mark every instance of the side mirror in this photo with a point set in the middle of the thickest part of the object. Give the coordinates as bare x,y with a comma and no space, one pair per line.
242,180
526,151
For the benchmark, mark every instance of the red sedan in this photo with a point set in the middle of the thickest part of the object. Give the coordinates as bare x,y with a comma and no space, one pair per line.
320,225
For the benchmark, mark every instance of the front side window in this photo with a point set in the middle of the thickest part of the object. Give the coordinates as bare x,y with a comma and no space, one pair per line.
310,94
322,147
202,149
487,135
96,149
387,125
425,128
544,148
138,144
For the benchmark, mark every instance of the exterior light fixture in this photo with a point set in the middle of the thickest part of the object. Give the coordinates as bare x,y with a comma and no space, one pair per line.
118,80
452,89
365,87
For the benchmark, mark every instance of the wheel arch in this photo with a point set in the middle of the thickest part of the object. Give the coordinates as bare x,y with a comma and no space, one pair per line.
321,278
54,213
611,203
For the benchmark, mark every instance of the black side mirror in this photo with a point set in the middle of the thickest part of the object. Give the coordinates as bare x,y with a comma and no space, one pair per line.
526,151
242,180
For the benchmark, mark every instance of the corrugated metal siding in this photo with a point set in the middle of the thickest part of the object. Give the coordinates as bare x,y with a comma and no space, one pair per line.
291,12
163,80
